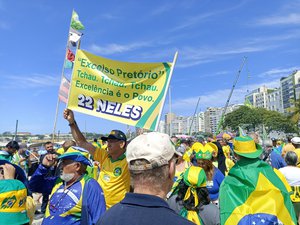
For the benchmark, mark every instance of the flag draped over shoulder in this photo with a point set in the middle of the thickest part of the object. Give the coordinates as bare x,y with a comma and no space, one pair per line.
75,22
253,193
64,90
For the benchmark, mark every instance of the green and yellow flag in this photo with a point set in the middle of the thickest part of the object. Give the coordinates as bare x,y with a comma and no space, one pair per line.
253,193
248,103
13,194
75,22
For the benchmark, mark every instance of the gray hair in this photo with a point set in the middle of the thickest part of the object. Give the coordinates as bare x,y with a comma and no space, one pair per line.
154,177
291,158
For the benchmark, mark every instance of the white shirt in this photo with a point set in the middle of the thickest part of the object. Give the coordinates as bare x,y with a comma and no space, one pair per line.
292,175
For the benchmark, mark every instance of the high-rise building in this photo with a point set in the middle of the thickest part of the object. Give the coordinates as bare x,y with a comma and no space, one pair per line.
207,121
258,97
274,102
201,121
179,125
290,90
168,125
212,117
162,127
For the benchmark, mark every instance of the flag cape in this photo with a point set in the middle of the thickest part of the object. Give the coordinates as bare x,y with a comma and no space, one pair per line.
130,93
253,193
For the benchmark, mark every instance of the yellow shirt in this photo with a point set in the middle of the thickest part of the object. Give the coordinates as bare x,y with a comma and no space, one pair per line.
229,164
226,150
186,156
60,151
114,177
286,148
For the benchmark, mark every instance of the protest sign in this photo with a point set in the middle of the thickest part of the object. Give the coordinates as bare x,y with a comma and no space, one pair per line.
130,93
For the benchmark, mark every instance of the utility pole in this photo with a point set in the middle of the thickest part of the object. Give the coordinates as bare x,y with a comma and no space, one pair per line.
194,116
16,131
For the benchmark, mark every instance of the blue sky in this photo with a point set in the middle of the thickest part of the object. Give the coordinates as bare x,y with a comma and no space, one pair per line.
212,37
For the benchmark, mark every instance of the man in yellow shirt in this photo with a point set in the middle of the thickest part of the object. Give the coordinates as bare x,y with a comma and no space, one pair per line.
114,175
287,147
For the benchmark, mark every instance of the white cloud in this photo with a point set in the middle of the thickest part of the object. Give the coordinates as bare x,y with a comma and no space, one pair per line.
188,22
117,48
191,56
292,19
162,9
287,35
278,72
193,20
109,16
33,81
195,56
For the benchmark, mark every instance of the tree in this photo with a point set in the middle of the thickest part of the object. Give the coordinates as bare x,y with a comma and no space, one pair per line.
243,116
6,133
253,118
295,110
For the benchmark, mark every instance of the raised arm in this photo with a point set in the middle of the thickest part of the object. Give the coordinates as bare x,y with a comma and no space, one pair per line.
76,133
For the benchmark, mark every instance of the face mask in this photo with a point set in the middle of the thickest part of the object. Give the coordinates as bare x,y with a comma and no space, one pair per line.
67,176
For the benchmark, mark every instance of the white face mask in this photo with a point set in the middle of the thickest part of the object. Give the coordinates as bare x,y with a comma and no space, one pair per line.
67,176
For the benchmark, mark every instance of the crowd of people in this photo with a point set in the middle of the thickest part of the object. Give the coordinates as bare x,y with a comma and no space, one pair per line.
152,179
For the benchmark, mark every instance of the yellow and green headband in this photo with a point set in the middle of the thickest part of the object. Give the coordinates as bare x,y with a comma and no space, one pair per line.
194,177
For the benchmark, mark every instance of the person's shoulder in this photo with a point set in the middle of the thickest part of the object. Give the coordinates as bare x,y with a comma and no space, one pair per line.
283,169
91,182
100,153
112,212
181,221
218,172
210,209
109,216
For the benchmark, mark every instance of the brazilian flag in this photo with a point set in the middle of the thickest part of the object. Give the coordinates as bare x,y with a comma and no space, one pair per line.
253,193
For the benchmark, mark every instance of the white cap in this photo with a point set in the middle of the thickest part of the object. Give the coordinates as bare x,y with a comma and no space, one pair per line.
296,140
157,148
268,143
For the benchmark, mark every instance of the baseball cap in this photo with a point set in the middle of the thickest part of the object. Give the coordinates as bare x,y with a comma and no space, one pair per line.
295,140
115,134
77,154
157,148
